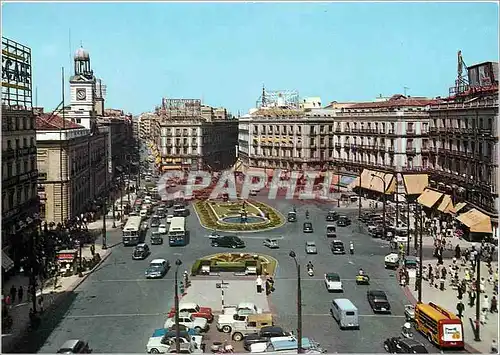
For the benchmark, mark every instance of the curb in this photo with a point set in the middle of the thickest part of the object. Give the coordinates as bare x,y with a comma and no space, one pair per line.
409,295
78,282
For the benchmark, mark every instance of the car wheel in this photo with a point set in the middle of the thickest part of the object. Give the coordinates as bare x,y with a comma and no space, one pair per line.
234,247
237,337
226,329
386,347
155,351
198,329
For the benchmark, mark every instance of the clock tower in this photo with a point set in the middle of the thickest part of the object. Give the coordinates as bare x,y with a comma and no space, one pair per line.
82,89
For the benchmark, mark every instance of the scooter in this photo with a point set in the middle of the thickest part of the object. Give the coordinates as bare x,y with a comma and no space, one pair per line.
310,272
406,330
351,251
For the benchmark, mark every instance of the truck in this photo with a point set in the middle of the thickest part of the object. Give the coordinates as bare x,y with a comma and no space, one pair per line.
253,325
226,322
243,308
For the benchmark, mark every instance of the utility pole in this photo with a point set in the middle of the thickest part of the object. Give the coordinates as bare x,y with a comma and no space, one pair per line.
105,203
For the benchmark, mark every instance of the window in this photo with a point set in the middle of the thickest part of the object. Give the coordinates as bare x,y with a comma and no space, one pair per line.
11,198
18,168
25,142
25,166
410,127
9,144
18,143
19,196
32,142
9,170
33,163
26,192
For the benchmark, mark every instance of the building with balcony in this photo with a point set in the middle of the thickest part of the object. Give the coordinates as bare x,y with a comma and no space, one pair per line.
462,151
72,167
195,136
149,127
388,135
20,205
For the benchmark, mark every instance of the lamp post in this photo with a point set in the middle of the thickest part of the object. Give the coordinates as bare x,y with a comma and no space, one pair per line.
384,201
121,196
408,226
128,180
338,190
359,202
477,331
178,263
420,252
299,304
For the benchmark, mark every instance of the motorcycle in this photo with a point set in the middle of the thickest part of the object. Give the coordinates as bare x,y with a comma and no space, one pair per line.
406,330
310,272
351,251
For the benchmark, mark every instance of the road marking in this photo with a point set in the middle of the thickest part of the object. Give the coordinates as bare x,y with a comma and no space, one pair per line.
322,279
251,237
118,315
135,280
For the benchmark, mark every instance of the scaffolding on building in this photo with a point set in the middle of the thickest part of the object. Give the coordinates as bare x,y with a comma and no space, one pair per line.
284,99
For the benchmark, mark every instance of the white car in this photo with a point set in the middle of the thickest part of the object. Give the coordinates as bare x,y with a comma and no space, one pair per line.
163,341
333,283
169,218
226,322
311,248
162,229
187,320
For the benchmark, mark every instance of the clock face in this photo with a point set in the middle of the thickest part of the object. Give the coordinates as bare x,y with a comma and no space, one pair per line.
80,94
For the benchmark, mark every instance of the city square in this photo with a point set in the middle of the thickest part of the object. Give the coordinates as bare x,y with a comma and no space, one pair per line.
201,210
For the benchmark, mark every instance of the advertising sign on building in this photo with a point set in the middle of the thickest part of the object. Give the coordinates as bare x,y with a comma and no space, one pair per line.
16,74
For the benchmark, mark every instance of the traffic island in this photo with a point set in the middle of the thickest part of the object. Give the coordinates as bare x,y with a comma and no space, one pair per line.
237,216
239,264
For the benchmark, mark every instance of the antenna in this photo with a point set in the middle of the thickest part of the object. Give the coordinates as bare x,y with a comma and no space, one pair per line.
406,88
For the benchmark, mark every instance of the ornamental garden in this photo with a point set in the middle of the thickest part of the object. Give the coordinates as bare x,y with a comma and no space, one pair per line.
238,216
235,262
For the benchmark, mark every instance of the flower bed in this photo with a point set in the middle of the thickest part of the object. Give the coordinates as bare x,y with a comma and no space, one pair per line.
234,262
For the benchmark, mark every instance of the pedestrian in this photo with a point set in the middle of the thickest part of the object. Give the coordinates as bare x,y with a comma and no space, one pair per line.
259,284
460,309
430,272
20,293
482,285
8,300
485,305
457,252
268,287
472,298
441,284
40,303
13,292
482,317
443,273
460,293
493,305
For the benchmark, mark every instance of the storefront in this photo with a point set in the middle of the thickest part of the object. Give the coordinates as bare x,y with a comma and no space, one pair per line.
477,223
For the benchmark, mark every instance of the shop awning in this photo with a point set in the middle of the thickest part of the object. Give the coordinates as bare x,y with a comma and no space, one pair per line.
158,160
353,184
446,205
373,180
476,221
460,206
7,263
171,167
428,198
415,184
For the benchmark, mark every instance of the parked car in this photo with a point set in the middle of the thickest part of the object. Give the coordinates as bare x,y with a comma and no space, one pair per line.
74,346
332,216
263,336
157,268
378,301
228,241
193,309
187,320
308,227
169,218
343,221
311,248
333,283
141,252
337,247
163,341
271,243
242,308
399,345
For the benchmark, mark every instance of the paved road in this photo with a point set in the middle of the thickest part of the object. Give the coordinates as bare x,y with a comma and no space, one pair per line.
116,309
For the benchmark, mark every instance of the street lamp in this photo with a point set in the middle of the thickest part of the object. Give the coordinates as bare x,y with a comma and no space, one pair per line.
477,335
176,305
299,304
384,201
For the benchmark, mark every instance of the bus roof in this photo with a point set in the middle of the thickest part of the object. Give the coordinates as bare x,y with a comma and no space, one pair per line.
177,224
133,223
435,311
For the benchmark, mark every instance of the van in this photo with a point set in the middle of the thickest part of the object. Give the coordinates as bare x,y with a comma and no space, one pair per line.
345,313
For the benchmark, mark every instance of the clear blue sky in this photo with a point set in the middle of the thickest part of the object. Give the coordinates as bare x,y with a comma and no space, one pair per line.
224,52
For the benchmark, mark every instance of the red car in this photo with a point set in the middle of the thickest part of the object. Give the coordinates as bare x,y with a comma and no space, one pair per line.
195,310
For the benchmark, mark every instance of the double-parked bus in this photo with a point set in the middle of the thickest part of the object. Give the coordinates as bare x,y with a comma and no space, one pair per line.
133,233
177,232
440,326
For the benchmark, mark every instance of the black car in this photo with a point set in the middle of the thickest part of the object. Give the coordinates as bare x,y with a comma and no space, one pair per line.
398,345
332,216
308,227
343,221
378,301
337,247
155,222
156,238
263,336
228,241
292,216
141,252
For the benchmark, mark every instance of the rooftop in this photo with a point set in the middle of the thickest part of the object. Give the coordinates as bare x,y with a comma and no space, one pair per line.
397,100
48,122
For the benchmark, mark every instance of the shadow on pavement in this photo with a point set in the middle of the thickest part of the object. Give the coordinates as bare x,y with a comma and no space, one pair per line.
32,340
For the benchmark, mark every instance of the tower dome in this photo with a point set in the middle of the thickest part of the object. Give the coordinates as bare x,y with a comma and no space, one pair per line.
81,54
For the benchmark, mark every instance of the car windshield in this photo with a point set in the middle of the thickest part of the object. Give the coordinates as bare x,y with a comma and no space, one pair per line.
332,277
311,244
139,249
378,295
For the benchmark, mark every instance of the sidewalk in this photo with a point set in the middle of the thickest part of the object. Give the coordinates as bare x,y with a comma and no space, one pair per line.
448,299
52,296
97,225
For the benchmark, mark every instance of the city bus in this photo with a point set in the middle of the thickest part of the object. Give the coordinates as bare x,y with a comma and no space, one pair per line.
177,231
133,233
440,326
